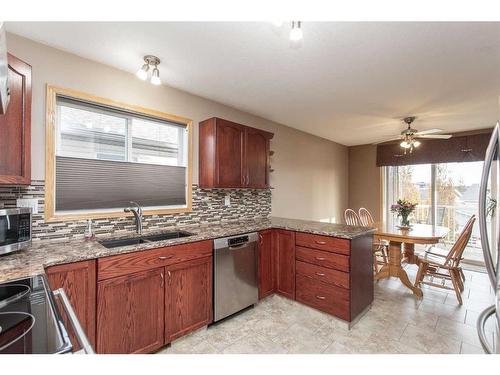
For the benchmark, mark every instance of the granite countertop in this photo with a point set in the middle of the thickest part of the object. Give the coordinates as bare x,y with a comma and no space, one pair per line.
33,260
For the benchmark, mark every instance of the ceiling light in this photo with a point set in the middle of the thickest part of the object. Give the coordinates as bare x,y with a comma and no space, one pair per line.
296,32
155,77
405,144
416,143
142,73
150,60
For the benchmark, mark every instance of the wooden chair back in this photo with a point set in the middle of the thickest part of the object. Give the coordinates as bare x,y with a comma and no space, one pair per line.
365,217
351,217
455,255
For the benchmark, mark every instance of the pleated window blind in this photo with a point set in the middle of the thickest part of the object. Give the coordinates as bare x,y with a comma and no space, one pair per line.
107,157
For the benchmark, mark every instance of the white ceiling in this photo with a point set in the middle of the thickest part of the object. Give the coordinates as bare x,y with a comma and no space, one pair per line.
348,82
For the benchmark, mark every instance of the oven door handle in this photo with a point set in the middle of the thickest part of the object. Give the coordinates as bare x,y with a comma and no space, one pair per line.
80,334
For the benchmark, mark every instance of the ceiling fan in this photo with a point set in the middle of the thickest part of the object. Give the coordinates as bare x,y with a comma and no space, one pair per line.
410,137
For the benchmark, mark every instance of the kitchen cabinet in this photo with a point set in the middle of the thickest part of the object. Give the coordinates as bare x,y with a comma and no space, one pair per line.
15,126
267,263
79,282
285,263
131,313
188,297
232,155
148,298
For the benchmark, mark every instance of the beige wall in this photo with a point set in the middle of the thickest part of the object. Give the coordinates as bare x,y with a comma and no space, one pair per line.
310,177
364,179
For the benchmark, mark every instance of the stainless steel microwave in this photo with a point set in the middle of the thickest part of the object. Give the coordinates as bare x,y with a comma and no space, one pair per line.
15,229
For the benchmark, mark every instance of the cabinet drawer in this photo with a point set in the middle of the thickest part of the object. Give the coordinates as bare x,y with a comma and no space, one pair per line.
315,241
326,275
323,297
322,258
124,264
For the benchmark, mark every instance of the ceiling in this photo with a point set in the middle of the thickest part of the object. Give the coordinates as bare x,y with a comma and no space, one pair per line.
349,82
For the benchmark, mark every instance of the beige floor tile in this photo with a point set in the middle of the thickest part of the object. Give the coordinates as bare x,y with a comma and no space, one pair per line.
254,344
453,312
471,320
471,349
458,331
429,342
298,339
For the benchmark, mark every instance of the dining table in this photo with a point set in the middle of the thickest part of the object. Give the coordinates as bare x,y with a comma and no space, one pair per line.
401,248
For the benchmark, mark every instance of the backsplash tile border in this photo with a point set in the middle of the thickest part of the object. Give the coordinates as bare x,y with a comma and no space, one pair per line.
207,207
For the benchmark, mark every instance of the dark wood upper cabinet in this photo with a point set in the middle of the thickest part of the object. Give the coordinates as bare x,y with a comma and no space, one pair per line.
188,297
15,126
79,282
267,263
233,155
131,313
285,263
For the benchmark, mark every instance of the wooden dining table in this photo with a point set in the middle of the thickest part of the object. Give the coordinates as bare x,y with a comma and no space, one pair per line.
402,248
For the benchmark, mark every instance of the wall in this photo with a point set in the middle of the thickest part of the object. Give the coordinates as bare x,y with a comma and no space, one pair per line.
310,178
364,179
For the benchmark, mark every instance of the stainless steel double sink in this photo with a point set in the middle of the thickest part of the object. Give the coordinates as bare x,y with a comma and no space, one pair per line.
144,239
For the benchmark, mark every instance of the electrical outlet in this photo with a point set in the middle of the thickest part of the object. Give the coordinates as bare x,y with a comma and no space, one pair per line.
28,202
227,200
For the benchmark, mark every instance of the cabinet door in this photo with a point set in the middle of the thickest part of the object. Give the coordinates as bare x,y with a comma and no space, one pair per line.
229,164
256,159
15,126
79,282
188,297
267,263
131,313
285,263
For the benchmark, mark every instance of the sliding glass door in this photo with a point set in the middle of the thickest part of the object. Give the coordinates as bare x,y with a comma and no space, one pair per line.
447,195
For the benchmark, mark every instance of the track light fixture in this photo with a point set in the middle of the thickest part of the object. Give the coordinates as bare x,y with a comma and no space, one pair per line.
143,72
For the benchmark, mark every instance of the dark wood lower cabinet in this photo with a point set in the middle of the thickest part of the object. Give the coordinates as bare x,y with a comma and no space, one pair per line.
285,263
79,282
131,313
267,263
188,297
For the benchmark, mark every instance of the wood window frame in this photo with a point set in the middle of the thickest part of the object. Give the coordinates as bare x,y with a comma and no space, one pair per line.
50,155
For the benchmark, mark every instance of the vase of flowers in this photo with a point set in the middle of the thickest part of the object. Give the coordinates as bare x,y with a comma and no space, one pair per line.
403,208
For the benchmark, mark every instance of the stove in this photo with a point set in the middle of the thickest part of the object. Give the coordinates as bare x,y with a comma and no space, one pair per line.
30,322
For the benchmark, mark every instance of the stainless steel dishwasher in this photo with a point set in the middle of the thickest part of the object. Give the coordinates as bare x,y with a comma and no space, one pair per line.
235,274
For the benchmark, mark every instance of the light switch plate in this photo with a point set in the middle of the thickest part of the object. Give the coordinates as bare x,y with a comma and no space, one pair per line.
28,202
227,200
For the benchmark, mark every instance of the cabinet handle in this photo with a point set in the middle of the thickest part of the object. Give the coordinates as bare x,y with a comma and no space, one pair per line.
162,280
321,297
321,242
320,258
169,277
320,274
261,239
164,257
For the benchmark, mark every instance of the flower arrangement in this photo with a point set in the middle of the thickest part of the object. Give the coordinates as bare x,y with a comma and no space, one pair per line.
404,208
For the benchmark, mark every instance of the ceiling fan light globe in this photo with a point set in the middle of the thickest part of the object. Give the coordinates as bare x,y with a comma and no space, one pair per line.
142,73
405,144
416,143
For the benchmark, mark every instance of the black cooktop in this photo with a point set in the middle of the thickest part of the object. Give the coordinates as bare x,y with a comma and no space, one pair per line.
30,322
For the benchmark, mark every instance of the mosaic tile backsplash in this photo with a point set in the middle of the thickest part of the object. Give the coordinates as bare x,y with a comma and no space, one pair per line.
208,207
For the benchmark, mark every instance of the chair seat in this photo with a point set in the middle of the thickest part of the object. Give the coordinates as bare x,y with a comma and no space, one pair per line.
434,259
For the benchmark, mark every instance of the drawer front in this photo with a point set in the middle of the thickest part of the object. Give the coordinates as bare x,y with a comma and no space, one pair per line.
326,275
326,243
323,297
322,258
125,264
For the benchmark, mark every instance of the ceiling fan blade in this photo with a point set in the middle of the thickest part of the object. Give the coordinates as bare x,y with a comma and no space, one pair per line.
434,136
429,131
388,140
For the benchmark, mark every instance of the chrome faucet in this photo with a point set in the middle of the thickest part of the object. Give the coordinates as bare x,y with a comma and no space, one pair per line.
137,211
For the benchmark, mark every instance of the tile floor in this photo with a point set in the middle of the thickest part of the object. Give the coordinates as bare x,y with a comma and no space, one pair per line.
396,323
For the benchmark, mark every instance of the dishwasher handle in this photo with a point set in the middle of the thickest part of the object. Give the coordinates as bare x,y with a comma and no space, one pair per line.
236,247
79,332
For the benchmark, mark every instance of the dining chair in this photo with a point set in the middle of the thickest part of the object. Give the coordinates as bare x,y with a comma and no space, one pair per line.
351,217
381,247
446,267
